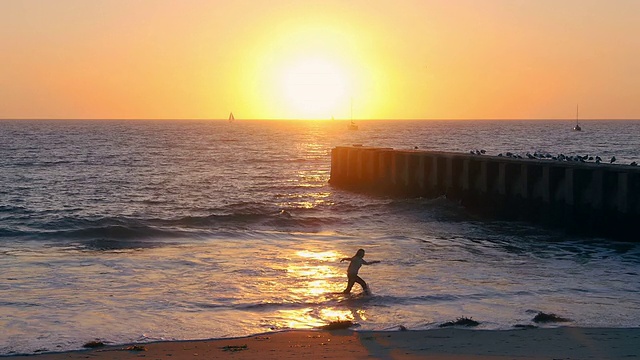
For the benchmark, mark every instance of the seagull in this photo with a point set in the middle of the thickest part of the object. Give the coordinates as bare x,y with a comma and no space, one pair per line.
613,159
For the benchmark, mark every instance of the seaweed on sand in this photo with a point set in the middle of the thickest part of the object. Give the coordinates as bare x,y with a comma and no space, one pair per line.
337,325
461,321
545,318
235,348
94,344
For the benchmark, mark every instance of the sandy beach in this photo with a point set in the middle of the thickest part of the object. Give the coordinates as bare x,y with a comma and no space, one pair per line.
558,343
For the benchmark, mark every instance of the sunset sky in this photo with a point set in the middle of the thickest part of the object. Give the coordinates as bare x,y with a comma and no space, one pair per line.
297,59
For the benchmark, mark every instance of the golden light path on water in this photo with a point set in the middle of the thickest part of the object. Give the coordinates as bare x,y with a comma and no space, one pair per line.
319,287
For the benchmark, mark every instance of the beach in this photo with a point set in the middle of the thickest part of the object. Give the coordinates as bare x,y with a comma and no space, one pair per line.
452,344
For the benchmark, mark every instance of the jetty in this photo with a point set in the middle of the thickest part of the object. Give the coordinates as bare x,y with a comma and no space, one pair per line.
588,198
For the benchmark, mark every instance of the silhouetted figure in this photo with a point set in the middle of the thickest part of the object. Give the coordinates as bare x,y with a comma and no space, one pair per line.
613,159
352,273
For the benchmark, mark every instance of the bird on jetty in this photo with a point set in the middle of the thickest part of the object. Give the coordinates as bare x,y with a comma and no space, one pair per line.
559,157
634,164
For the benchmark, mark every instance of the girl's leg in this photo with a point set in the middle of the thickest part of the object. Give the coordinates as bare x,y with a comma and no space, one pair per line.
359,280
351,280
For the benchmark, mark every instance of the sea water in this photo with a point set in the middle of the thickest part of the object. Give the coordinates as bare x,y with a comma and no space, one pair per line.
135,231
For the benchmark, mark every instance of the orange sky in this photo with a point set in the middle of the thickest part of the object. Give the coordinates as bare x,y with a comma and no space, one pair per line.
265,59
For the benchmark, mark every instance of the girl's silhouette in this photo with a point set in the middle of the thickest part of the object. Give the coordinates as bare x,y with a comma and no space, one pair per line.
352,273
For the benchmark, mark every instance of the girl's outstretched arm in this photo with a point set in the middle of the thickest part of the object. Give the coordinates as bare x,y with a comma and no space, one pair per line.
371,262
345,259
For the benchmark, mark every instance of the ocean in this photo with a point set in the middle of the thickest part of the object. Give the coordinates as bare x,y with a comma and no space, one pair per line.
142,230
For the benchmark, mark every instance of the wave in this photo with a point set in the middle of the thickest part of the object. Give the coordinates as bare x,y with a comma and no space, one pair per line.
130,232
341,300
236,220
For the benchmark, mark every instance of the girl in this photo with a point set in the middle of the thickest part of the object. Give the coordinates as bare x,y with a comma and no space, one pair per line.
352,273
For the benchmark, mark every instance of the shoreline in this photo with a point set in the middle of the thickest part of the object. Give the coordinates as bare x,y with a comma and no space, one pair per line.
450,343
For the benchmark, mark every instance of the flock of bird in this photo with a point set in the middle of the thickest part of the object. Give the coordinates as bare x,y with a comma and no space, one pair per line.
559,157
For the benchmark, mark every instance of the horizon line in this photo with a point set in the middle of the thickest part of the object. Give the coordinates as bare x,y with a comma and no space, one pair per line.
322,119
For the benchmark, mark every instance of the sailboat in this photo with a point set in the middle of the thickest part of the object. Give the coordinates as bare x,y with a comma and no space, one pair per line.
231,118
577,127
352,125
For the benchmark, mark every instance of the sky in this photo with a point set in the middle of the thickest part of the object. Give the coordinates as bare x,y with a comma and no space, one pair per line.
297,59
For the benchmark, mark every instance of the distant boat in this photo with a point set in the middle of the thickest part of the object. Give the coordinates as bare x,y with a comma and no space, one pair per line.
231,118
352,125
577,127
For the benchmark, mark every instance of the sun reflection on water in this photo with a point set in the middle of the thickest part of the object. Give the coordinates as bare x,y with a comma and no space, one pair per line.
299,319
305,201
333,314
314,317
318,287
319,255
313,279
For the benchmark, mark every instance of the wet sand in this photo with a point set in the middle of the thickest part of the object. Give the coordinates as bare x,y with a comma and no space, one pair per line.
449,344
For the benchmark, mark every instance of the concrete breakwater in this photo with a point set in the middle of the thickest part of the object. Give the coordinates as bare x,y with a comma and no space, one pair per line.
598,199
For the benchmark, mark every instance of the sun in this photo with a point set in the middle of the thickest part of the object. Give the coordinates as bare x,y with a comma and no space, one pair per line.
314,87
311,70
